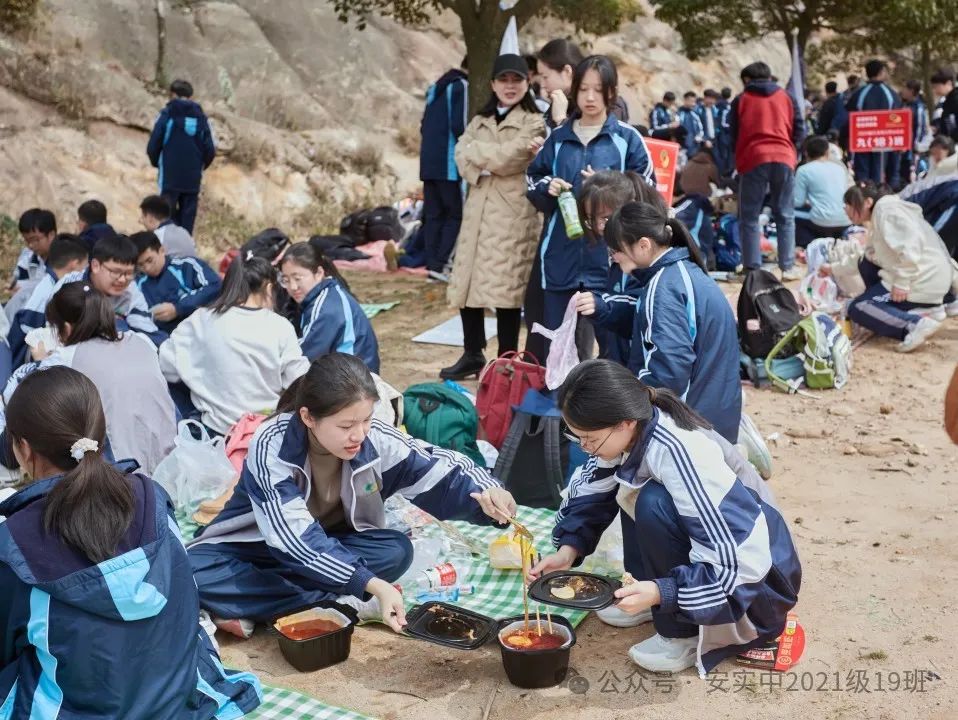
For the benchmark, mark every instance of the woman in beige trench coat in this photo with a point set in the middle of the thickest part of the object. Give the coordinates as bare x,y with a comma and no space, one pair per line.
500,228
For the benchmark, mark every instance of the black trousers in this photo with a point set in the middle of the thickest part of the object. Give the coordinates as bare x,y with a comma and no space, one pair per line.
806,231
474,330
184,208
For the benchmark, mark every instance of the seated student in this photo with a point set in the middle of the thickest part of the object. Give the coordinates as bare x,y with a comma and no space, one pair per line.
98,604
38,227
330,319
819,186
906,268
173,287
236,356
602,194
121,365
111,270
156,218
68,254
305,525
712,559
91,223
684,336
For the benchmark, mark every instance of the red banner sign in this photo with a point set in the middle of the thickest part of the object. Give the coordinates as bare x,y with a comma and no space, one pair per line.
665,156
879,131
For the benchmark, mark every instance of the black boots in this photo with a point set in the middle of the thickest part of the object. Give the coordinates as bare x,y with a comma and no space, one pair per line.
471,363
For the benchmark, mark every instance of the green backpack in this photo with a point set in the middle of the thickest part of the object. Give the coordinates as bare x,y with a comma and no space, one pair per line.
443,417
825,351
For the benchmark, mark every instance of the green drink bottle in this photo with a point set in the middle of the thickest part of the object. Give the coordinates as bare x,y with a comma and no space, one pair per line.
570,215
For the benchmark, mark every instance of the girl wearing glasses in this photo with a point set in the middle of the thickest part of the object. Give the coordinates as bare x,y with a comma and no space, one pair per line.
330,318
236,356
683,332
715,568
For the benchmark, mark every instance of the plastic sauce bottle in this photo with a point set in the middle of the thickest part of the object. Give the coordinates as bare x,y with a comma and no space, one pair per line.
570,215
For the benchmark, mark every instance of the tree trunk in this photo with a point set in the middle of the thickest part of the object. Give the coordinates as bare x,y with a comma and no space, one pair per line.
159,76
926,70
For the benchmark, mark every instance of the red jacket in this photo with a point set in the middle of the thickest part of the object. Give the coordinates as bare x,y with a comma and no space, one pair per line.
765,126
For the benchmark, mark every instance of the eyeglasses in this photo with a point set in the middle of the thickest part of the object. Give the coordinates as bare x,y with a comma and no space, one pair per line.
288,281
119,275
582,442
600,223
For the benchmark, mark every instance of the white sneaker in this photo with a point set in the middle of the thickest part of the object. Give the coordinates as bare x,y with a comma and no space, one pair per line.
924,329
438,276
366,610
659,654
793,273
617,617
240,627
938,313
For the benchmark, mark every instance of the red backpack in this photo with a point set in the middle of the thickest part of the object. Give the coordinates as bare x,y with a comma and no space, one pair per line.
503,383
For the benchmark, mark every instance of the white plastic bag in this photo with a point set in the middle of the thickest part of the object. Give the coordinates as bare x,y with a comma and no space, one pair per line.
563,353
195,470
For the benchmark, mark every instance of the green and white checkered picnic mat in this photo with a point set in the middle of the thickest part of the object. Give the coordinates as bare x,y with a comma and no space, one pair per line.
499,592
282,704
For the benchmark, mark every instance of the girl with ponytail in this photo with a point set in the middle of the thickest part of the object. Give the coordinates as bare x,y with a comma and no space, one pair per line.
711,559
683,336
94,579
235,356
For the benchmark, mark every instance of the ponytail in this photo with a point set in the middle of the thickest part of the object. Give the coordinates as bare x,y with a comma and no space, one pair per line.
600,394
637,220
57,412
856,195
611,189
243,278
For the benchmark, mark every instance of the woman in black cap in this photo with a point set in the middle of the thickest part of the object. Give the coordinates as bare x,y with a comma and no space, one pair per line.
497,240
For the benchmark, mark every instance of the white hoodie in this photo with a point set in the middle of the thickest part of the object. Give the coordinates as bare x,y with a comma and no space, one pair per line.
236,362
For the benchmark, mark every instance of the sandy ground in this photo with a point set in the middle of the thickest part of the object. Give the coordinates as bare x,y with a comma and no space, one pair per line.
877,537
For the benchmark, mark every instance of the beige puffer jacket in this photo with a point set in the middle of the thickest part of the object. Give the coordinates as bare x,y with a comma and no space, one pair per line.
500,227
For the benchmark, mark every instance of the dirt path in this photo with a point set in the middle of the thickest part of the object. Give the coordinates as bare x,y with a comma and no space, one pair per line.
877,537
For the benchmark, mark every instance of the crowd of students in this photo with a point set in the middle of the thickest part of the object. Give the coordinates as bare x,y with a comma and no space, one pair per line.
98,316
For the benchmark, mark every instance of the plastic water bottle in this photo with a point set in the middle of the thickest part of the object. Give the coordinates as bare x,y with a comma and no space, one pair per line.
570,215
448,594
443,575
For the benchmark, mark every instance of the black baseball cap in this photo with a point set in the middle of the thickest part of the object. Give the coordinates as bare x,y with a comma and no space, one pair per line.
510,63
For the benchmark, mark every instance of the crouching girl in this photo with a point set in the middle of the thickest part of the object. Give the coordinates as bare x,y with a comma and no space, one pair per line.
306,525
98,605
718,571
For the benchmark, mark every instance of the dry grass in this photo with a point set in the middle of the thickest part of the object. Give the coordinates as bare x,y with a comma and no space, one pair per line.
367,159
219,228
409,139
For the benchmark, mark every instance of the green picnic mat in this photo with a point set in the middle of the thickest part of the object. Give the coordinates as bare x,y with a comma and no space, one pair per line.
499,592
282,704
371,310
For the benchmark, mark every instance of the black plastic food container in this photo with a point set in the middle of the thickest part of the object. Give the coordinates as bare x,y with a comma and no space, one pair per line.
532,669
322,651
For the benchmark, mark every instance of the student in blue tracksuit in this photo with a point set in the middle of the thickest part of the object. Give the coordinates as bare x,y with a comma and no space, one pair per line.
691,121
723,144
173,287
305,525
684,335
443,121
100,613
111,271
181,147
592,140
713,563
91,223
875,95
663,122
695,213
602,194
914,161
68,254
330,318
37,227
709,115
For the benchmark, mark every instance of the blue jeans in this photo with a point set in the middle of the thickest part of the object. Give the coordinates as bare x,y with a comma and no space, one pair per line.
245,580
663,546
777,179
874,309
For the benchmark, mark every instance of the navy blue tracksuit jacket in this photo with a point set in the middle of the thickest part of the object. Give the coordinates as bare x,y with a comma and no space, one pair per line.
188,283
181,146
443,121
331,320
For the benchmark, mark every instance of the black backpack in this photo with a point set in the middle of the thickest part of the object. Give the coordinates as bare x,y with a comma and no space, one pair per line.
268,244
534,457
765,299
365,226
